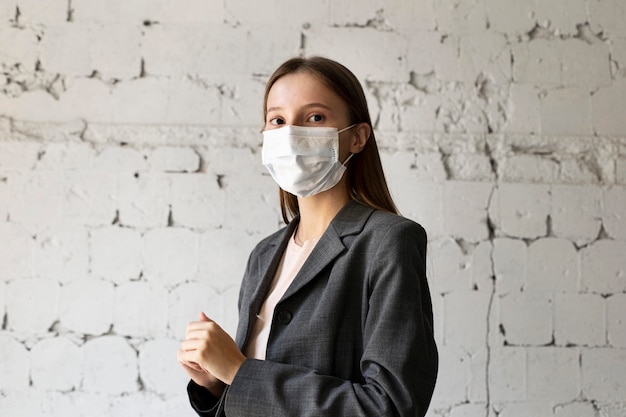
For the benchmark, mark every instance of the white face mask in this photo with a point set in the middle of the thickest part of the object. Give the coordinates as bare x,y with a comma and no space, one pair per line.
303,160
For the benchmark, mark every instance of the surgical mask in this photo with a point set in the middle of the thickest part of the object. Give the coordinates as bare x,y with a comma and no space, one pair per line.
303,160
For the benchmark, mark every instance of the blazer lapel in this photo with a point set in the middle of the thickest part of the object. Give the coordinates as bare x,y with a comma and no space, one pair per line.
266,266
350,220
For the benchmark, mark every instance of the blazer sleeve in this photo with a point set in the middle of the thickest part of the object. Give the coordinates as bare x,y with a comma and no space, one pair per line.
399,360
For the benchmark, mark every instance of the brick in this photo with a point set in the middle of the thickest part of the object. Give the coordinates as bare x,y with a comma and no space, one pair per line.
89,11
86,306
5,192
342,14
7,11
161,376
140,100
138,310
452,382
110,366
230,312
433,56
91,198
171,255
113,53
122,159
61,253
55,364
236,161
602,372
18,155
186,301
563,20
524,168
468,167
173,159
56,43
197,48
574,325
614,212
422,202
2,299
300,14
225,253
507,374
467,410
72,104
520,210
465,209
603,266
509,16
14,366
347,44
143,402
607,17
66,403
66,156
452,17
403,15
616,321
575,409
451,267
606,109
523,109
466,314
144,200
576,212
16,252
557,108
620,171
33,12
537,63
116,253
526,318
618,57
198,200
485,55
510,264
526,408
22,295
552,266
245,191
18,46
26,208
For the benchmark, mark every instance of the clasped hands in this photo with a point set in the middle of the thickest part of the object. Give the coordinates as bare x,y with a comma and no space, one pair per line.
209,355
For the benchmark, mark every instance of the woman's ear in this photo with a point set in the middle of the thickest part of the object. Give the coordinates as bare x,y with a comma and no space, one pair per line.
362,132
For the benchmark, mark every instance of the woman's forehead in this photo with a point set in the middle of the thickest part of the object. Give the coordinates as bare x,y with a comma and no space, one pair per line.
302,88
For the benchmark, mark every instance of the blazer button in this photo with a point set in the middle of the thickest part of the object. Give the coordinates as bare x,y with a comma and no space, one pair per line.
284,317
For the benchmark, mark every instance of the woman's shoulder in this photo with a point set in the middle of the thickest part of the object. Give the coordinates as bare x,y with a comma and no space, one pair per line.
385,221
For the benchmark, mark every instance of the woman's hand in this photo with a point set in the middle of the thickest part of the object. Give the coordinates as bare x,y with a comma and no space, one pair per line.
209,354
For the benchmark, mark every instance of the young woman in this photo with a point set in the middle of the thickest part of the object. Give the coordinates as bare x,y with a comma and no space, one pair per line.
335,316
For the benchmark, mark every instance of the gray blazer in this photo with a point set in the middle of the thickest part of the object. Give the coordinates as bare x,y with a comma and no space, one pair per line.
353,334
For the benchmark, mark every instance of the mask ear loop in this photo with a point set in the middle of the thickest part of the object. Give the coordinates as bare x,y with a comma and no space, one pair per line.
347,159
343,130
346,128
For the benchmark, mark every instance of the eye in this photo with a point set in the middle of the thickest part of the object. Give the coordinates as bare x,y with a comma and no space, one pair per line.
276,121
316,118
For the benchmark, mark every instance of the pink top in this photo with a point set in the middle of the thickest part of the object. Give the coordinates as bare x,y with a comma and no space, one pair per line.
290,264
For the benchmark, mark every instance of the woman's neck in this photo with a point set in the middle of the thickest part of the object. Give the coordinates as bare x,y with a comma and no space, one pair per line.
316,212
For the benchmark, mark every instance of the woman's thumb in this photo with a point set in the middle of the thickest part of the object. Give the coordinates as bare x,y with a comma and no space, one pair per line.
203,316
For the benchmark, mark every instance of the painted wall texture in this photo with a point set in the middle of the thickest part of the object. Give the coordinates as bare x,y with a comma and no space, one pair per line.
131,188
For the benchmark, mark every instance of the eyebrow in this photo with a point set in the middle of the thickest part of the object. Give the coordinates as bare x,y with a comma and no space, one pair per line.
306,106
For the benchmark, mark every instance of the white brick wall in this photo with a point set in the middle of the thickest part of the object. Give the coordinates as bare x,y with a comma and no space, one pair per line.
131,189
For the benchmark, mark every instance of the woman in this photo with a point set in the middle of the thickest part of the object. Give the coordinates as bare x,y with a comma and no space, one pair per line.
335,316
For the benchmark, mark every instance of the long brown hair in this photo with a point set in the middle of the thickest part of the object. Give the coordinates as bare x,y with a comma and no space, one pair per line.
366,180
